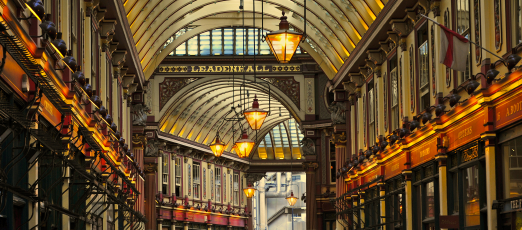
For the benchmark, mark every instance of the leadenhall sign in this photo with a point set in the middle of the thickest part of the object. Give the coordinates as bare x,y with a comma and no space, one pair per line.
228,68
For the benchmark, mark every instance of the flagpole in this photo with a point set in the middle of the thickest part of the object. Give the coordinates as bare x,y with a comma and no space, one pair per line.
433,20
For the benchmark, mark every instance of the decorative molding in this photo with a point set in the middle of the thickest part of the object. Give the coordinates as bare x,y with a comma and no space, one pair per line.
435,7
376,56
252,178
310,95
310,166
364,116
323,156
308,146
402,27
118,58
497,14
289,86
170,86
150,168
189,172
212,186
349,87
337,112
204,183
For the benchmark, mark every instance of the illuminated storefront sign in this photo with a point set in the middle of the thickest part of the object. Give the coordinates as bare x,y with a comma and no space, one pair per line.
228,68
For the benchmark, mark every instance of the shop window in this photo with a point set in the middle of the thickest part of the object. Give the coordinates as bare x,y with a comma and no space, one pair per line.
426,196
197,180
372,208
517,21
178,176
218,184
471,196
512,156
395,204
467,190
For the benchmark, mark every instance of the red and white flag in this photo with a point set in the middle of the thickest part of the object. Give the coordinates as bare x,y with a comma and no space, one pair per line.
454,49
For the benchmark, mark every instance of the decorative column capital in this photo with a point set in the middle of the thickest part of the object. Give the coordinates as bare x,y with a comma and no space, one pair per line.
339,140
138,141
151,168
254,177
310,167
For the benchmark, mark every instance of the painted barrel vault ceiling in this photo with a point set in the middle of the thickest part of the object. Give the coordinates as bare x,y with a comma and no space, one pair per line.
334,27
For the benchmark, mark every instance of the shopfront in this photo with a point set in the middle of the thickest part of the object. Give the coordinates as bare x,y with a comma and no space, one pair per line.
510,151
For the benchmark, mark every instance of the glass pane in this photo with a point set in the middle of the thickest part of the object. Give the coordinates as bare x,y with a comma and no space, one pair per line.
394,86
424,74
253,41
228,36
517,22
430,199
462,15
512,151
192,46
240,41
264,49
455,193
217,40
471,196
204,43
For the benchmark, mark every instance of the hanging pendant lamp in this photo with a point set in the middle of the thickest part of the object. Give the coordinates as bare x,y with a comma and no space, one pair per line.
244,146
284,42
217,147
291,199
255,116
249,191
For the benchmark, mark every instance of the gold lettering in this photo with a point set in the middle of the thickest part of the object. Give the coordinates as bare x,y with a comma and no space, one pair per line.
210,69
395,167
424,152
250,69
258,69
465,133
194,70
265,69
241,69
219,69
202,69
225,68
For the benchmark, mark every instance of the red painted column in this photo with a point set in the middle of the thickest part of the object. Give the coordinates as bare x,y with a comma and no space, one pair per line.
311,206
150,195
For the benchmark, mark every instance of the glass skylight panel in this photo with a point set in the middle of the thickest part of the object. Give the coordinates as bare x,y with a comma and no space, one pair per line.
192,46
268,141
181,49
240,49
217,42
228,41
294,133
264,48
204,43
284,135
253,41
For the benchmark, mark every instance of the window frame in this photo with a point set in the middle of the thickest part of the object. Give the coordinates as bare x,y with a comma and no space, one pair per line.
422,57
236,185
218,178
456,169
196,180
423,175
178,173
461,77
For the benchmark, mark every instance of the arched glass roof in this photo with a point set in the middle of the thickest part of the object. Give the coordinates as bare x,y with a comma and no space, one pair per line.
280,142
223,41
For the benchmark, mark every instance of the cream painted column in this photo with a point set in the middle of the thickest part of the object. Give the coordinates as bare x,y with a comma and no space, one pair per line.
363,217
172,174
86,66
443,183
160,224
173,226
34,207
160,172
409,200
262,205
116,216
185,226
382,193
491,194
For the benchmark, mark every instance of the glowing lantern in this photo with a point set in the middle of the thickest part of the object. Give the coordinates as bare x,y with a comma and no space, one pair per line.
283,42
37,8
255,116
249,191
218,147
243,146
291,199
